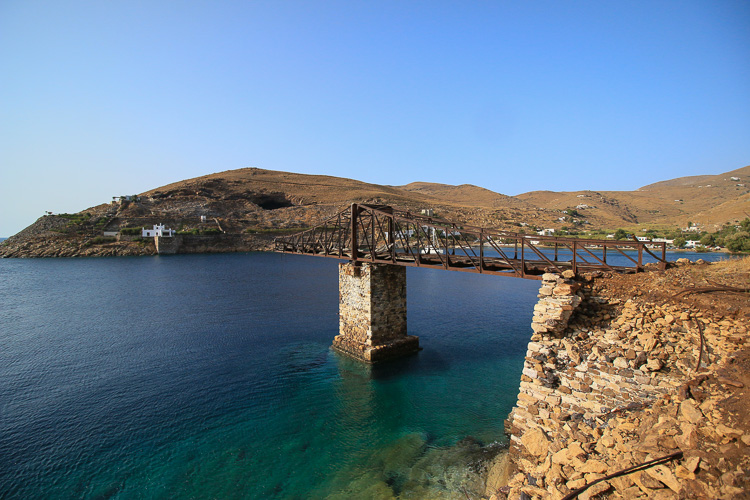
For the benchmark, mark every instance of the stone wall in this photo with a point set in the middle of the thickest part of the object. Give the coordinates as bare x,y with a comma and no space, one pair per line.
594,371
167,245
372,312
557,300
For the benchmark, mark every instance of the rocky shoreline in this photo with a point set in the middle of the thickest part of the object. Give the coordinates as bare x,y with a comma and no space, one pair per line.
51,236
622,385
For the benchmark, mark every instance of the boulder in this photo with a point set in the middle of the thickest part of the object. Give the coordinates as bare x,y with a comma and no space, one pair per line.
535,442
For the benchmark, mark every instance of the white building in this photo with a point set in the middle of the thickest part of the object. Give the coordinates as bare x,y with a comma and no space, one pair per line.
546,232
158,230
402,234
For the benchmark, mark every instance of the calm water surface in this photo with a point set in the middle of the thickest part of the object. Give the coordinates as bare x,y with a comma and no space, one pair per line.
211,376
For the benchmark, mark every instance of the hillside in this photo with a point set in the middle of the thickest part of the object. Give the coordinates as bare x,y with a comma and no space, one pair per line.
466,195
256,204
707,200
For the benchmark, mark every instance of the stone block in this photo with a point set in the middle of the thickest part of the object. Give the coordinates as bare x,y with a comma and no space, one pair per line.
372,312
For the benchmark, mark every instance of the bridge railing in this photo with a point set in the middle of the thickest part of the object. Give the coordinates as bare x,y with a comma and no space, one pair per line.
382,234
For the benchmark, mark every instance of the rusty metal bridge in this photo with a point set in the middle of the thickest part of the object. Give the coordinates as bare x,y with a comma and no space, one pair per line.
384,235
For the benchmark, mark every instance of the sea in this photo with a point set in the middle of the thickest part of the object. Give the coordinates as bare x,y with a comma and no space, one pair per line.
212,376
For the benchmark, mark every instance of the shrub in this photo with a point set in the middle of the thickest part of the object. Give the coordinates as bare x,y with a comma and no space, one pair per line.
100,240
131,231
738,242
621,234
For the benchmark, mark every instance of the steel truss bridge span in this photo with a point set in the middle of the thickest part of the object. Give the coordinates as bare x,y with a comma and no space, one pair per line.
384,235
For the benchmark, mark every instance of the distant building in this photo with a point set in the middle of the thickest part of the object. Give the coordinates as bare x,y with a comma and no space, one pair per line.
203,218
402,234
546,232
120,199
427,211
734,178
158,230
643,238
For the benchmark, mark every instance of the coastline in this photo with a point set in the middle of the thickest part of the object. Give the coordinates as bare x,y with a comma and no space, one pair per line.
51,244
600,395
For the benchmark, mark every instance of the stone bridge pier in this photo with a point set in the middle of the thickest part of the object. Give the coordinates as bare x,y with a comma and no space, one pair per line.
372,312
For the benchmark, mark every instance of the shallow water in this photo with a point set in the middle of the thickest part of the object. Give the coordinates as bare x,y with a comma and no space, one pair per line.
200,376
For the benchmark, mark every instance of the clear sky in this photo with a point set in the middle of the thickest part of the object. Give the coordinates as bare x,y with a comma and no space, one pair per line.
102,98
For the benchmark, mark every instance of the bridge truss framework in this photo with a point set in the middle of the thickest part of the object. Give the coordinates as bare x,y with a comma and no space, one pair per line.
384,235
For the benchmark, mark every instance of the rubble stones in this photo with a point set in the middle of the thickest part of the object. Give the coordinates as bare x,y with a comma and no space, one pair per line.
609,385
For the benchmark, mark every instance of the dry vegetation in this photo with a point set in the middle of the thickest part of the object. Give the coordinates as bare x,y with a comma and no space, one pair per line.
253,200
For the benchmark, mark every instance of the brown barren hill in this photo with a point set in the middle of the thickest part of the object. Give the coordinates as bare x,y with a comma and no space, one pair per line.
253,201
707,200
466,195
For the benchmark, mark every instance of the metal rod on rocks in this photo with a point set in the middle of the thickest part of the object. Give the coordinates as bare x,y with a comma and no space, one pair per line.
667,458
700,351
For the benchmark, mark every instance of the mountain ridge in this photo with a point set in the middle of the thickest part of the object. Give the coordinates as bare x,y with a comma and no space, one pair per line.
253,201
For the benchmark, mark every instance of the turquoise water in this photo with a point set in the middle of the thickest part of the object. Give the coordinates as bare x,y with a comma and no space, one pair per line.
211,376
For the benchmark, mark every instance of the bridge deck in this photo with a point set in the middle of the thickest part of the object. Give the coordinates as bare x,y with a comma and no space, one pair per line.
404,239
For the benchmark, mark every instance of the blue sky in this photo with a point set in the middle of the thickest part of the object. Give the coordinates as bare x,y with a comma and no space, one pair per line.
99,99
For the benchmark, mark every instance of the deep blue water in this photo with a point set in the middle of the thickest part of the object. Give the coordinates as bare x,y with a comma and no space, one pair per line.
211,376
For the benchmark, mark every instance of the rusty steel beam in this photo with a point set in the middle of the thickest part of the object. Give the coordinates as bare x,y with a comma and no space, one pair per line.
381,234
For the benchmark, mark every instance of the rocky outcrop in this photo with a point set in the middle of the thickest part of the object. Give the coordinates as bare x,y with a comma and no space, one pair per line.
52,237
621,384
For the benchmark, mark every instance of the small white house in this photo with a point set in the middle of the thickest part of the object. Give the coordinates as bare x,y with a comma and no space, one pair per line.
158,230
546,232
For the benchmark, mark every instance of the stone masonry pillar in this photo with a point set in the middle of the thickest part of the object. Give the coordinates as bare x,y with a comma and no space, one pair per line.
372,312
